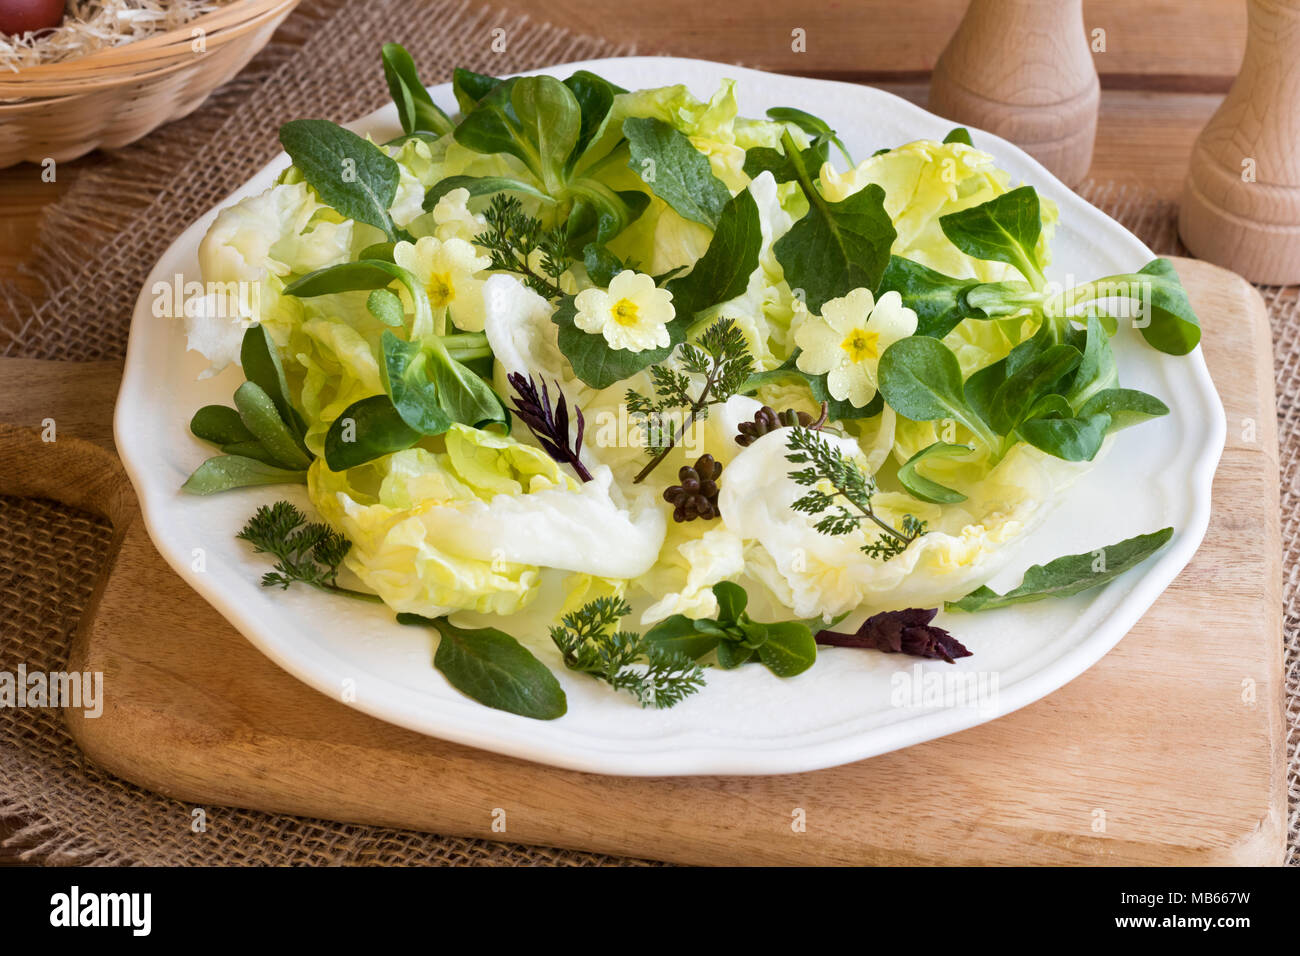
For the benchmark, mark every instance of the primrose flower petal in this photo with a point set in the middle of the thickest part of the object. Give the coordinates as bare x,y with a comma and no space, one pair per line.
449,271
819,346
846,341
632,314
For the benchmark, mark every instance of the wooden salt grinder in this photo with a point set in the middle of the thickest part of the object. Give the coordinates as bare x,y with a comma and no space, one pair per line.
1022,69
1241,199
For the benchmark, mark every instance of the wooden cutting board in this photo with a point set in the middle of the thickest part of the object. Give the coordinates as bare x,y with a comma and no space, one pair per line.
1170,750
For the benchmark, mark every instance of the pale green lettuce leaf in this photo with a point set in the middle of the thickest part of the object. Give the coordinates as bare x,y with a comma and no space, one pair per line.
814,574
339,366
696,555
469,528
925,180
660,240
764,312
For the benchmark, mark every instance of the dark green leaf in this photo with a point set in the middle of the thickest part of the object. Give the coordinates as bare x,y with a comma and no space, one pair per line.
731,654
1004,229
602,265
1097,371
1050,406
260,360
482,186
470,87
1125,406
367,429
1173,327
592,359
837,247
722,273
250,449
680,633
1072,439
415,108
1038,377
1031,348
353,176
675,170
219,425
982,386
765,159
1070,574
595,95
959,134
494,669
939,301
465,396
430,390
491,126
407,379
550,120
789,649
814,126
258,413
732,600
748,632
921,380
344,277
600,213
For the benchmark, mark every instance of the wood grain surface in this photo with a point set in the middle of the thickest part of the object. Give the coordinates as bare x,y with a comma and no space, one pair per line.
1164,70
1150,44
1170,750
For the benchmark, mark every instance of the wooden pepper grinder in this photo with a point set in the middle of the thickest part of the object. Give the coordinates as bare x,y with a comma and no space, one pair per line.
1022,69
1241,199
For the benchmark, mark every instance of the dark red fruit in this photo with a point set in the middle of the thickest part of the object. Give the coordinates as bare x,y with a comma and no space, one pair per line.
24,16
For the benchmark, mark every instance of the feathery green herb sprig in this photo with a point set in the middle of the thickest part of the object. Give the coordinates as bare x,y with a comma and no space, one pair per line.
722,356
305,552
844,509
591,643
511,238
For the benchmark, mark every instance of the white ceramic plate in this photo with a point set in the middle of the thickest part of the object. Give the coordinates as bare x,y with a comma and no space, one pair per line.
849,706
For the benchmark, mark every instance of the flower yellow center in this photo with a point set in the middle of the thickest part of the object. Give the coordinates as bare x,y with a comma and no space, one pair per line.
625,312
441,290
861,344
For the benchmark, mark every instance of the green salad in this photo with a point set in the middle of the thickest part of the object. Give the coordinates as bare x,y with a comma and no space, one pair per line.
624,383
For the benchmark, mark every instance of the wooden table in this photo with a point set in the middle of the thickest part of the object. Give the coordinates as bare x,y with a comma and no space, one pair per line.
1165,68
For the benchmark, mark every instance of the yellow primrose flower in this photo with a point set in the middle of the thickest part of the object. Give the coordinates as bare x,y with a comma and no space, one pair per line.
846,341
454,220
633,314
448,270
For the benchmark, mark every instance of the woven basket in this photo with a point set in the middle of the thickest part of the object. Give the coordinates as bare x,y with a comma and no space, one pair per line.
115,96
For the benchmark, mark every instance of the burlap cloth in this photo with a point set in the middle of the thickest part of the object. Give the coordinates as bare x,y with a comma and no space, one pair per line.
123,214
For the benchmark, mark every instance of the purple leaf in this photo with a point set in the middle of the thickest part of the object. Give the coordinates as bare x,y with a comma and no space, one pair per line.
908,631
549,426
